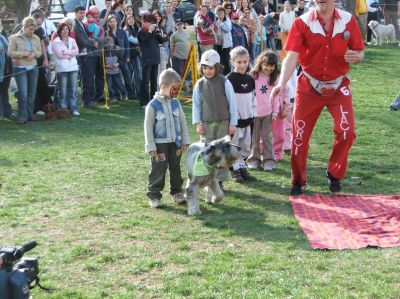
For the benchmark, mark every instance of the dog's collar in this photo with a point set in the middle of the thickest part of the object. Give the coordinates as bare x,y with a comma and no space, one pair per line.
375,26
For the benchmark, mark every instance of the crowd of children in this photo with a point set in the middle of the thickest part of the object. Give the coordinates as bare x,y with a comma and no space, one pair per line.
238,105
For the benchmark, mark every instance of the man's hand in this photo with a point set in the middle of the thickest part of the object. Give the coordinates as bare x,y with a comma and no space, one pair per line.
45,62
353,57
231,130
200,130
96,44
153,154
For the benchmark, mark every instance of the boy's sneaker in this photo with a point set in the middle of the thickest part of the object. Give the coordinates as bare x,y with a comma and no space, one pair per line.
237,176
40,113
269,165
297,189
179,198
253,165
154,203
246,175
334,184
391,108
288,151
76,113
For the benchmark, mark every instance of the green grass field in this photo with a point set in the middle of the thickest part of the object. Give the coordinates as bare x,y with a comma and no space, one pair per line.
78,186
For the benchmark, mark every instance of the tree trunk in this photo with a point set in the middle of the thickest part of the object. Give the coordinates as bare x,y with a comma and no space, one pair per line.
15,9
350,6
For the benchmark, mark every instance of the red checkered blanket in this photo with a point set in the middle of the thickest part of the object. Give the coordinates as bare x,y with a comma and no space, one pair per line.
349,221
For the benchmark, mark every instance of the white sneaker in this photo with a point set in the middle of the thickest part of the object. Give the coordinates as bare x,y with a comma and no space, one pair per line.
41,113
154,203
269,165
253,165
76,113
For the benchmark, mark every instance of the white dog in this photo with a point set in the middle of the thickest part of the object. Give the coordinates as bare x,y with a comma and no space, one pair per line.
382,32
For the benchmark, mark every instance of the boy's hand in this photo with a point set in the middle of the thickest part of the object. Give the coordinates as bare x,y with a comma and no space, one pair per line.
273,117
284,113
200,130
184,148
231,130
153,153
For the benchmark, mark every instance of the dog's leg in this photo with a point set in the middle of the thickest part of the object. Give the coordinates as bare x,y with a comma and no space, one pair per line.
192,198
216,189
379,40
209,194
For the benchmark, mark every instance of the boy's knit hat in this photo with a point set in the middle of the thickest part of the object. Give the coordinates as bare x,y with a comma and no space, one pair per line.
210,58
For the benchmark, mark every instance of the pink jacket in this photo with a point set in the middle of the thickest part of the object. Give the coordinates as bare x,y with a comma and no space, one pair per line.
65,55
264,104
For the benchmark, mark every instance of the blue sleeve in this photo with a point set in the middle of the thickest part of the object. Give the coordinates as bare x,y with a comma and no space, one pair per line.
230,96
196,108
126,46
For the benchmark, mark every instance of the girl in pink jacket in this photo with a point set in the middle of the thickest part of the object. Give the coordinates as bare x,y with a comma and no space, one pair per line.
265,73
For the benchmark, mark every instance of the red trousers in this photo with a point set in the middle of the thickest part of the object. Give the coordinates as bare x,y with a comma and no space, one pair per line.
307,108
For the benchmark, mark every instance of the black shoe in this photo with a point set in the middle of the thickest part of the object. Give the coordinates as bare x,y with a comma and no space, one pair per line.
298,189
391,108
237,176
334,184
246,175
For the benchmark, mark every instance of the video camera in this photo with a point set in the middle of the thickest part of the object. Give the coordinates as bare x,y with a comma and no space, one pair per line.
17,273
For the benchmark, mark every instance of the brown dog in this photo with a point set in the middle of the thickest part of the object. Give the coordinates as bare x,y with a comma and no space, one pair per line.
53,114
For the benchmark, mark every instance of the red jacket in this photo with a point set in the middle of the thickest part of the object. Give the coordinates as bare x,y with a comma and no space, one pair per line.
205,33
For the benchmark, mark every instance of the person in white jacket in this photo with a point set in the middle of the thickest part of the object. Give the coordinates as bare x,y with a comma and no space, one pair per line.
65,51
286,19
225,26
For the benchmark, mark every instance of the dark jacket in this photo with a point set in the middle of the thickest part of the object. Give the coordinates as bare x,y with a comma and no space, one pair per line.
83,41
149,45
259,6
121,40
238,36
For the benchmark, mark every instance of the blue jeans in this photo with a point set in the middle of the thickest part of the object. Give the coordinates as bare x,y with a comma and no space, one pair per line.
137,72
67,88
126,69
5,107
116,88
270,44
26,82
396,103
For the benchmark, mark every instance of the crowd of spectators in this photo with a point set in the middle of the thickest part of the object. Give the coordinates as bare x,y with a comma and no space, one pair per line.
140,46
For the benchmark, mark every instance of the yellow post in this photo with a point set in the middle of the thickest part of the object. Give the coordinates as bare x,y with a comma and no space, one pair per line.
105,80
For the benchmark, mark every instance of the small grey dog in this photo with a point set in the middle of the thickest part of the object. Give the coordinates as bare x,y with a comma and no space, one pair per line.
202,162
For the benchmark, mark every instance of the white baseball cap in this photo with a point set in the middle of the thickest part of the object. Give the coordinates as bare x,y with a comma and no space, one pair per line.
210,58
